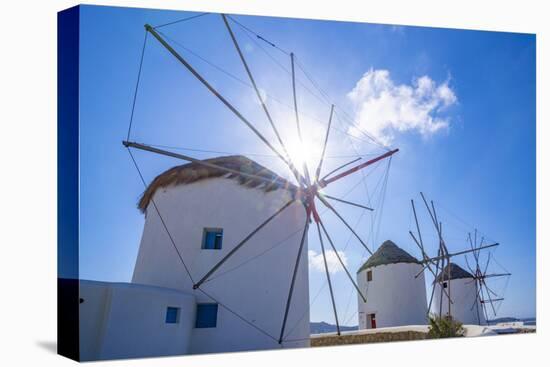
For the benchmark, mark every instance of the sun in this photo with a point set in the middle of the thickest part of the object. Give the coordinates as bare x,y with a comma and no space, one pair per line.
302,152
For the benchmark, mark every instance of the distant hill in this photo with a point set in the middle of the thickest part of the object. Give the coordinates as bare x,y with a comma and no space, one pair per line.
527,321
323,327
502,319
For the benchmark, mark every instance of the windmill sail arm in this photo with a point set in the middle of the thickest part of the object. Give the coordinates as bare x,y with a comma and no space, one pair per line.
325,182
347,202
437,269
460,253
420,243
208,86
340,167
295,272
304,164
468,265
187,158
298,176
319,167
496,275
341,262
426,259
424,267
327,272
327,204
490,300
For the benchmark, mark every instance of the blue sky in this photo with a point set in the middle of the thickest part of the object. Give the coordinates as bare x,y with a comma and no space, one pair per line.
466,134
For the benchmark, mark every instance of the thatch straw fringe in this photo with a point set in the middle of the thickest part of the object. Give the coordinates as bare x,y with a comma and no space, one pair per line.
193,172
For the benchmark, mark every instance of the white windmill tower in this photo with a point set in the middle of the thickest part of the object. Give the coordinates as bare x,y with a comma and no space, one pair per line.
465,306
455,291
395,294
470,292
192,202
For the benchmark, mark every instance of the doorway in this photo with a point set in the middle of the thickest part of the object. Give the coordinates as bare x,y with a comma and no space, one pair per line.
371,320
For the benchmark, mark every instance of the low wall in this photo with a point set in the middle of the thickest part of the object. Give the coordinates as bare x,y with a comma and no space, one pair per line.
379,337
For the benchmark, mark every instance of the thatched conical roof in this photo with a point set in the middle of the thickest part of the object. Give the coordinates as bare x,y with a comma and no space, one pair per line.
456,273
388,253
193,172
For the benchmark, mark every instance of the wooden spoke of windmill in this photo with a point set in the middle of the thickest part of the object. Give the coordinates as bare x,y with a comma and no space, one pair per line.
484,294
436,265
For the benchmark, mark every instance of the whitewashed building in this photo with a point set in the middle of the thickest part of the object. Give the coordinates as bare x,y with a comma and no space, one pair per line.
395,295
204,214
462,288
125,320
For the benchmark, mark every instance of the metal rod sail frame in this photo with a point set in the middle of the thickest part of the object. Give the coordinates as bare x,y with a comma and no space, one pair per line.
346,202
453,254
327,204
496,275
298,176
328,278
196,74
492,300
295,272
426,259
326,181
444,257
444,253
240,244
318,171
480,277
427,262
340,167
306,170
341,262
204,163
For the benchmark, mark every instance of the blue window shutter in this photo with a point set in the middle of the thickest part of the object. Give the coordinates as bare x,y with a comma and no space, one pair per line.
212,239
172,314
207,315
218,241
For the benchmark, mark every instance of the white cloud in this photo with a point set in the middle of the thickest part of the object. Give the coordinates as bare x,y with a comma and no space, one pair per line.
383,108
316,261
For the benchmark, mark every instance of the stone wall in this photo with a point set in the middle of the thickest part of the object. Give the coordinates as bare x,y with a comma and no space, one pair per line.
381,337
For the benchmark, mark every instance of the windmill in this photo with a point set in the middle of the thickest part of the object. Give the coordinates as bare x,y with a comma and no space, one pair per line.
311,186
440,266
484,294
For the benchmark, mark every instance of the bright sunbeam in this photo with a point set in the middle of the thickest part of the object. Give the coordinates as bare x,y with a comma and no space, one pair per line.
308,150
303,152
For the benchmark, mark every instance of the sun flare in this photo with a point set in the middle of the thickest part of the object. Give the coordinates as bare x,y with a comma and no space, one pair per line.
303,152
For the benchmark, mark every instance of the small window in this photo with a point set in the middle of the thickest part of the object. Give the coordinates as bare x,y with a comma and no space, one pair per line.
369,276
207,315
444,284
172,315
212,238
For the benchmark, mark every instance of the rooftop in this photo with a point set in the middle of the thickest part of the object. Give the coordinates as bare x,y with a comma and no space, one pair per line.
194,172
388,253
456,273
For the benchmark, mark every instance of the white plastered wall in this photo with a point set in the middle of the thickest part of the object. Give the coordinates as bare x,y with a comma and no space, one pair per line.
394,295
254,282
464,306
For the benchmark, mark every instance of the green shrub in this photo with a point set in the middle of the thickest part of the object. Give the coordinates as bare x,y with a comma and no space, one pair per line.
444,327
